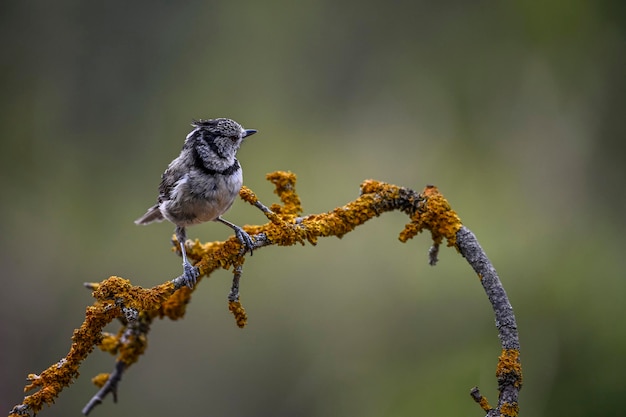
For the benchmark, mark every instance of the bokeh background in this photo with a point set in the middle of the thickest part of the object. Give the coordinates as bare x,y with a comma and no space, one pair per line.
514,109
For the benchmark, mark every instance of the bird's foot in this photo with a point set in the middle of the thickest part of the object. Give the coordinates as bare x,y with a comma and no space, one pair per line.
247,244
190,275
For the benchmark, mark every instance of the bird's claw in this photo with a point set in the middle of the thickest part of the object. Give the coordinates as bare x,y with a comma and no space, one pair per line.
190,275
247,244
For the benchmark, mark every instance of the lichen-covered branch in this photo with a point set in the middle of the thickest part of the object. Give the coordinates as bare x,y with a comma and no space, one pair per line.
136,307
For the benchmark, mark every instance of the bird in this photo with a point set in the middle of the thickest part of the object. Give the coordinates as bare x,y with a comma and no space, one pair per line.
201,184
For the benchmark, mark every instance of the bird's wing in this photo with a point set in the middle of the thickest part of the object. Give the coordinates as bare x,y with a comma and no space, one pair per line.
174,172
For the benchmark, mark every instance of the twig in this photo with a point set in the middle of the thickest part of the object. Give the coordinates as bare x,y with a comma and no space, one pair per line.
109,387
480,399
234,289
234,305
509,369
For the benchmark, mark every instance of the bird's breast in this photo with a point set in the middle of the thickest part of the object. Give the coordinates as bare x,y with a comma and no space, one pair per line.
199,198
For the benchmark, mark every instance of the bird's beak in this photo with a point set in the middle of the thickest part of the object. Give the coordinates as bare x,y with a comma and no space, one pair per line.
249,132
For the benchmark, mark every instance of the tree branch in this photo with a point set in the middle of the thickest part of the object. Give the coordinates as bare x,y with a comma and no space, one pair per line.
137,307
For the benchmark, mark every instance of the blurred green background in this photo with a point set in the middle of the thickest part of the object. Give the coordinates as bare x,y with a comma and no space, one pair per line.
514,109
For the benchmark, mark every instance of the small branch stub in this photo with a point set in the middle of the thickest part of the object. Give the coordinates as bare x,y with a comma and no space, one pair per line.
480,399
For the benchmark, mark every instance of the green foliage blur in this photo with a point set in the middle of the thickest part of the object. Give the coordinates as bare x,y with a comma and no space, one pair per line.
514,109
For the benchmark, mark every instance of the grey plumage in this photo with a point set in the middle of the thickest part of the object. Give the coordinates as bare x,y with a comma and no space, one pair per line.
201,183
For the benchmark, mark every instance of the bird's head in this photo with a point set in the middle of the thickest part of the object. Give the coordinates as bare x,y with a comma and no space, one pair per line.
226,132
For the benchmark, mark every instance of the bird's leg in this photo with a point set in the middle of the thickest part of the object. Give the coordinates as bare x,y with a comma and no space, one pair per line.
190,272
247,245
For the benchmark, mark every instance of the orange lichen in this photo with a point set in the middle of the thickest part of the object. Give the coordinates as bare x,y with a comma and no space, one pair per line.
100,379
133,347
246,194
175,306
116,288
509,409
510,367
285,183
241,318
434,214
109,343
484,404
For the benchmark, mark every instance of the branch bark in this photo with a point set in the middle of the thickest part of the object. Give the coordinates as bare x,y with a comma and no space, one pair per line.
509,369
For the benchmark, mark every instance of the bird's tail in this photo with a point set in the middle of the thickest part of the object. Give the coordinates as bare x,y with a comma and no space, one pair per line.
152,215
